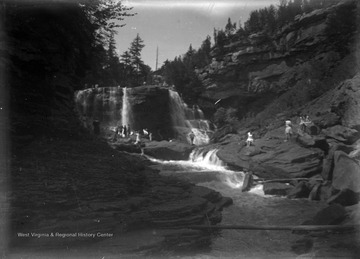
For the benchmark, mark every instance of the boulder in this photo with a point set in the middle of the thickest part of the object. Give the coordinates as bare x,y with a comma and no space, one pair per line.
281,189
312,129
344,197
291,158
356,152
346,178
327,168
273,158
301,190
313,141
346,173
314,193
331,215
342,134
168,150
327,120
320,192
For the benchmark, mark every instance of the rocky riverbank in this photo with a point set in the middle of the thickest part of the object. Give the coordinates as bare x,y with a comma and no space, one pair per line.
320,163
81,185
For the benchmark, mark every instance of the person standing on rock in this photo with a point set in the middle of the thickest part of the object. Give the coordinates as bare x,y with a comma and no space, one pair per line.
150,136
302,124
288,130
250,139
192,137
137,141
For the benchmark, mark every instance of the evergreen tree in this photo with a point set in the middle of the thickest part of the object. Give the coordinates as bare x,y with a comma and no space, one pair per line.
230,28
127,70
135,51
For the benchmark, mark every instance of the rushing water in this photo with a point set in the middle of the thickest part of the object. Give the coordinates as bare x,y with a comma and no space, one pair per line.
117,105
126,108
249,208
188,120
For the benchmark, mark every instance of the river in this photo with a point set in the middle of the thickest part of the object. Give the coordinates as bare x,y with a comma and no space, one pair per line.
249,208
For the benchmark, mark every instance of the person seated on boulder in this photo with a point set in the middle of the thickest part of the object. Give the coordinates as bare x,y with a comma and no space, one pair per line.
250,139
302,124
288,130
145,132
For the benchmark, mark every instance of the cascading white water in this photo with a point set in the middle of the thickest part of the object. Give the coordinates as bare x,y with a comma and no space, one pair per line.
126,108
207,158
205,163
186,120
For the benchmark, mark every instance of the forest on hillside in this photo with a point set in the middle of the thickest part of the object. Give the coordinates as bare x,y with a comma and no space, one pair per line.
267,22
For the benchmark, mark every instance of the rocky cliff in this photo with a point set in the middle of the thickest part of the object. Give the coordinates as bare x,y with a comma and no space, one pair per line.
309,67
273,73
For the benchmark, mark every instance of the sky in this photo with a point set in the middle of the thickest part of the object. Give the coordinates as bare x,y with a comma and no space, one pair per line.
172,25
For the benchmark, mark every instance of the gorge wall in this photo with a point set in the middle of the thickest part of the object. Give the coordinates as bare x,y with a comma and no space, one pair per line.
275,73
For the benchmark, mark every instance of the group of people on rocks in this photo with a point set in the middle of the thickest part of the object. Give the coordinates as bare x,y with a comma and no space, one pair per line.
125,131
303,124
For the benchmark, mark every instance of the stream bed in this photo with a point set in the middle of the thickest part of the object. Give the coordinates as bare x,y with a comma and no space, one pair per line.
249,208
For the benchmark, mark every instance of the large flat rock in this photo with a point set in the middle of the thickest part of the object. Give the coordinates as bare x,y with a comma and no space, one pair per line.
168,150
273,158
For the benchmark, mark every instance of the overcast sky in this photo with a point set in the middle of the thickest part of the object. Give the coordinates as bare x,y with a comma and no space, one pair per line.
173,25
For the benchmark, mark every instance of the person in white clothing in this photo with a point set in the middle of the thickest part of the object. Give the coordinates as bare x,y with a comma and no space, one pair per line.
288,130
250,139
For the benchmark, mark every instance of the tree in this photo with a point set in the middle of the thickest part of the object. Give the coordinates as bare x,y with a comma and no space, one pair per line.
135,51
104,15
230,28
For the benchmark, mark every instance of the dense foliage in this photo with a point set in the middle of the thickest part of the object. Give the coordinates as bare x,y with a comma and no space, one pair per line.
52,48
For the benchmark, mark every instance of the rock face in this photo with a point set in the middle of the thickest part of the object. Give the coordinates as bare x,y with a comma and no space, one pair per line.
340,102
260,69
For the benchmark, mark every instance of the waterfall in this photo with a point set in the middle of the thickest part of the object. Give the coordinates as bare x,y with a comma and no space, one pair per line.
186,120
210,160
126,108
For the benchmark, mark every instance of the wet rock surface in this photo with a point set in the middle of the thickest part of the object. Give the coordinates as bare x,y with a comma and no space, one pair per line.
69,186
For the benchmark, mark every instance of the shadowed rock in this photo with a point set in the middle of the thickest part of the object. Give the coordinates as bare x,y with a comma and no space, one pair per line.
168,150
